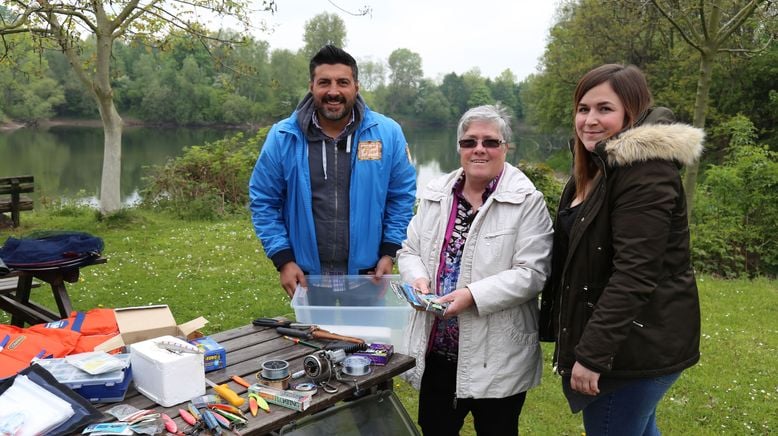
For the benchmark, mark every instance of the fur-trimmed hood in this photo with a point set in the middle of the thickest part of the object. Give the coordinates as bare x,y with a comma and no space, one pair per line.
677,142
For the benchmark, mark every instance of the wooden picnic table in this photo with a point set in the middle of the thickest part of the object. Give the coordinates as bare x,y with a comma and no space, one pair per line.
17,302
247,347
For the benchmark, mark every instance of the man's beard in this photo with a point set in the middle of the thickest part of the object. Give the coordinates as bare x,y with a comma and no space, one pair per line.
334,115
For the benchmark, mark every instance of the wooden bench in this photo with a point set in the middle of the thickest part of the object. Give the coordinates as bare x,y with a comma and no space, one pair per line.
13,187
8,286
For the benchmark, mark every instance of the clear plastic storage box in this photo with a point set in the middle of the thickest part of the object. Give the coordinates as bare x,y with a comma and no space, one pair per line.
102,388
359,306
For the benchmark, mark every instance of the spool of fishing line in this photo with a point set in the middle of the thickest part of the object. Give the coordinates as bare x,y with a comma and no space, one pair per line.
305,387
356,365
275,369
275,373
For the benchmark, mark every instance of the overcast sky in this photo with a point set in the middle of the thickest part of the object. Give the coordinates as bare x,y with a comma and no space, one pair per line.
449,35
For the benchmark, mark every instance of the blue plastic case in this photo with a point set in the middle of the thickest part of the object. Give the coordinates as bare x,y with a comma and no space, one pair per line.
110,387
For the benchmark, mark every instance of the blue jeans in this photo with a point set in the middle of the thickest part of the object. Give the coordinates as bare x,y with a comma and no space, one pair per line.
630,410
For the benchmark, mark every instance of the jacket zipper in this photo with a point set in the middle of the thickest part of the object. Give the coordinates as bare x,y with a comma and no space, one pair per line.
337,178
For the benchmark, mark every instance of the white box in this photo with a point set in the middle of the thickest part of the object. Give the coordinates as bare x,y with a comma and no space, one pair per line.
165,377
355,306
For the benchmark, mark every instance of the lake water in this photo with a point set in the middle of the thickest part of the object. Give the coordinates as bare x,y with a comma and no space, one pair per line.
67,161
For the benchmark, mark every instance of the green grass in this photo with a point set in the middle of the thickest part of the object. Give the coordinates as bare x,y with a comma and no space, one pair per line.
218,270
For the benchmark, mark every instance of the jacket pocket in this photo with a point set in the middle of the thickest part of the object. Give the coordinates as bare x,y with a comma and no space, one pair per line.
492,246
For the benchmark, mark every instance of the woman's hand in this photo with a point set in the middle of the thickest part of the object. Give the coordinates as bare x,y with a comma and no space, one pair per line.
457,300
422,284
584,380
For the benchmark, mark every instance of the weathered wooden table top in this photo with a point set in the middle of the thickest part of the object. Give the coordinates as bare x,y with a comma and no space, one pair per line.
247,347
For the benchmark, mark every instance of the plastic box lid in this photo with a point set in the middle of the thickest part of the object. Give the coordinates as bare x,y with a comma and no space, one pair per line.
74,378
358,306
381,413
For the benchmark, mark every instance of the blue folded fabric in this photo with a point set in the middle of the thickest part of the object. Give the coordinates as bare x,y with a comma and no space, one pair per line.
49,248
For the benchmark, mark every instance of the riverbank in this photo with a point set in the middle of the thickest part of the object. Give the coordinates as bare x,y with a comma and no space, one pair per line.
11,125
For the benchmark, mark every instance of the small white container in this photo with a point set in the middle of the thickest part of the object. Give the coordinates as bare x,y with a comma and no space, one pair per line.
353,305
165,377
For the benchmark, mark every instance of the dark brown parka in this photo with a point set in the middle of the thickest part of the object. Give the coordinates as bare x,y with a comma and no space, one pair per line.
624,300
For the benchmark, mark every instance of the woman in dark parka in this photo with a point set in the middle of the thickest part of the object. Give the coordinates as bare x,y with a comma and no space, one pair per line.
622,304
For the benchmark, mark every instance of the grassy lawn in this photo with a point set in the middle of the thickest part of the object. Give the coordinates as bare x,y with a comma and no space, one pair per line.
218,270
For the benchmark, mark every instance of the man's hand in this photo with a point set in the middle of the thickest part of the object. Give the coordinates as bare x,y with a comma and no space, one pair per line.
290,276
384,266
458,301
584,380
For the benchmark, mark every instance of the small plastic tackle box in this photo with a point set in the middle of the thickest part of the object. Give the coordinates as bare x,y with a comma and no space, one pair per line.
103,388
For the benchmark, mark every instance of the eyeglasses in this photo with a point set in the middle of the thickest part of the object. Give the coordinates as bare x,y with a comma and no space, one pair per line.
487,143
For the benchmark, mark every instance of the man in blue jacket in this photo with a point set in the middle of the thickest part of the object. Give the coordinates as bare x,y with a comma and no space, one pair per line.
333,189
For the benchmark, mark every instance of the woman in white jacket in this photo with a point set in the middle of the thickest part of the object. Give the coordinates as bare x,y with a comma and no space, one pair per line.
481,240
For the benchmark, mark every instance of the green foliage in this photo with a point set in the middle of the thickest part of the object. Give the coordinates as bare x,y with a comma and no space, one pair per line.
321,30
372,74
431,106
588,33
289,80
560,161
505,90
546,182
206,182
123,218
736,221
26,92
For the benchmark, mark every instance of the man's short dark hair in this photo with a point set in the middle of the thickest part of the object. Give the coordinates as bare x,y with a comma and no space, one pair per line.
331,55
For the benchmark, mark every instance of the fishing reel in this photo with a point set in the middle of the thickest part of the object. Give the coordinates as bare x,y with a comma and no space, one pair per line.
322,365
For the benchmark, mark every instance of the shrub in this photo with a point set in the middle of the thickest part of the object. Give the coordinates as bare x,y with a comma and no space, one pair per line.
544,179
207,181
736,212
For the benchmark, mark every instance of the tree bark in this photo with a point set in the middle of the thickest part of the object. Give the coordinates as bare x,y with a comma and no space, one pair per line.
700,109
110,197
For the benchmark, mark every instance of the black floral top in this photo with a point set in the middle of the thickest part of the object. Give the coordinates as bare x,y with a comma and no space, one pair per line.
444,338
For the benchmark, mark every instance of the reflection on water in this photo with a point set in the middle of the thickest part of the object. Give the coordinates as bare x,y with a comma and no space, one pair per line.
434,151
67,161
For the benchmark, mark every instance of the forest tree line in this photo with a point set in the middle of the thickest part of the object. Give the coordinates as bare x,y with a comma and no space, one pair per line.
186,81
183,81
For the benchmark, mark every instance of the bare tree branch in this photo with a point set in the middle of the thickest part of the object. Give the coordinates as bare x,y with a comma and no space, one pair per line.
677,27
701,12
366,10
47,11
747,51
736,21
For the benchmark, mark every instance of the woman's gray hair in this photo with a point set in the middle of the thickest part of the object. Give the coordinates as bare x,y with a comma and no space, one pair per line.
496,114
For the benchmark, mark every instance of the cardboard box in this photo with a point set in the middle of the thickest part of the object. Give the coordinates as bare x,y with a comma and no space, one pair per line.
146,322
378,354
165,377
214,355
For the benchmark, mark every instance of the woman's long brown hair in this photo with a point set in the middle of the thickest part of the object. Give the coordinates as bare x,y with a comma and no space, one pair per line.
630,85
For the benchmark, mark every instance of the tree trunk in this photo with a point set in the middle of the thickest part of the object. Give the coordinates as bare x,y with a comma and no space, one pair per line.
110,198
700,109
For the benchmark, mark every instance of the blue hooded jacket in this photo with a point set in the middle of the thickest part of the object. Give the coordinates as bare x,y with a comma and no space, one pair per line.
382,194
